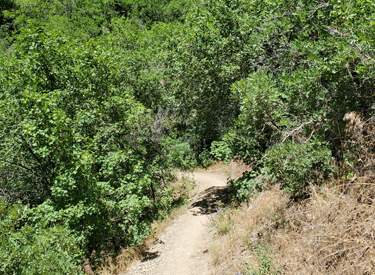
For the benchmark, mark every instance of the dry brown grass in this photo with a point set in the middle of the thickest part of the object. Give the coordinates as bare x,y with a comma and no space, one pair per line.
358,142
332,232
235,228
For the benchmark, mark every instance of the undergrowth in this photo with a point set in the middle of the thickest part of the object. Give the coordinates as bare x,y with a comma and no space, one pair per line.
117,265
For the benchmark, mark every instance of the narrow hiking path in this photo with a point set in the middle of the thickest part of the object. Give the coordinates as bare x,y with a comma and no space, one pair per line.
183,247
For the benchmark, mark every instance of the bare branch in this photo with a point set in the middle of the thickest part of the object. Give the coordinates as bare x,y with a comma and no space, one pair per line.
298,129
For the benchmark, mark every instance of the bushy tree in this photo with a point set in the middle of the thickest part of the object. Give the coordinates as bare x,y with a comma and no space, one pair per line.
211,55
84,19
76,145
147,12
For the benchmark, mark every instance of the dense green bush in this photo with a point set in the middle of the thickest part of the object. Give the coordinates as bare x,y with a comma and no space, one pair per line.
205,158
147,12
291,165
76,145
180,154
208,58
261,115
220,150
250,184
296,165
86,19
35,249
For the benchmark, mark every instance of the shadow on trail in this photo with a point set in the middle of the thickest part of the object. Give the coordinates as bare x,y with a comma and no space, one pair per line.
148,256
209,200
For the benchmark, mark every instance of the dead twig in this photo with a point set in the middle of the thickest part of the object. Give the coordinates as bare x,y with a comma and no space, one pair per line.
297,129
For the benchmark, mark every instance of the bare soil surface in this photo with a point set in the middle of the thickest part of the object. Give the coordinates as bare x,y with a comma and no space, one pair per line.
183,248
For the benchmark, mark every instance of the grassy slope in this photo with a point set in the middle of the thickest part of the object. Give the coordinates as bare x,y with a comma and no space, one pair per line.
332,232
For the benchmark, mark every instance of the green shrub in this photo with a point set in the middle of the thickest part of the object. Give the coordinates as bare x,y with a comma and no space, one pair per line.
205,158
220,150
261,114
295,165
250,184
37,249
263,253
179,154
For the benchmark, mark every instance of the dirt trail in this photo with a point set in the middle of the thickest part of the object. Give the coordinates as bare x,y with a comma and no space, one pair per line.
183,247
